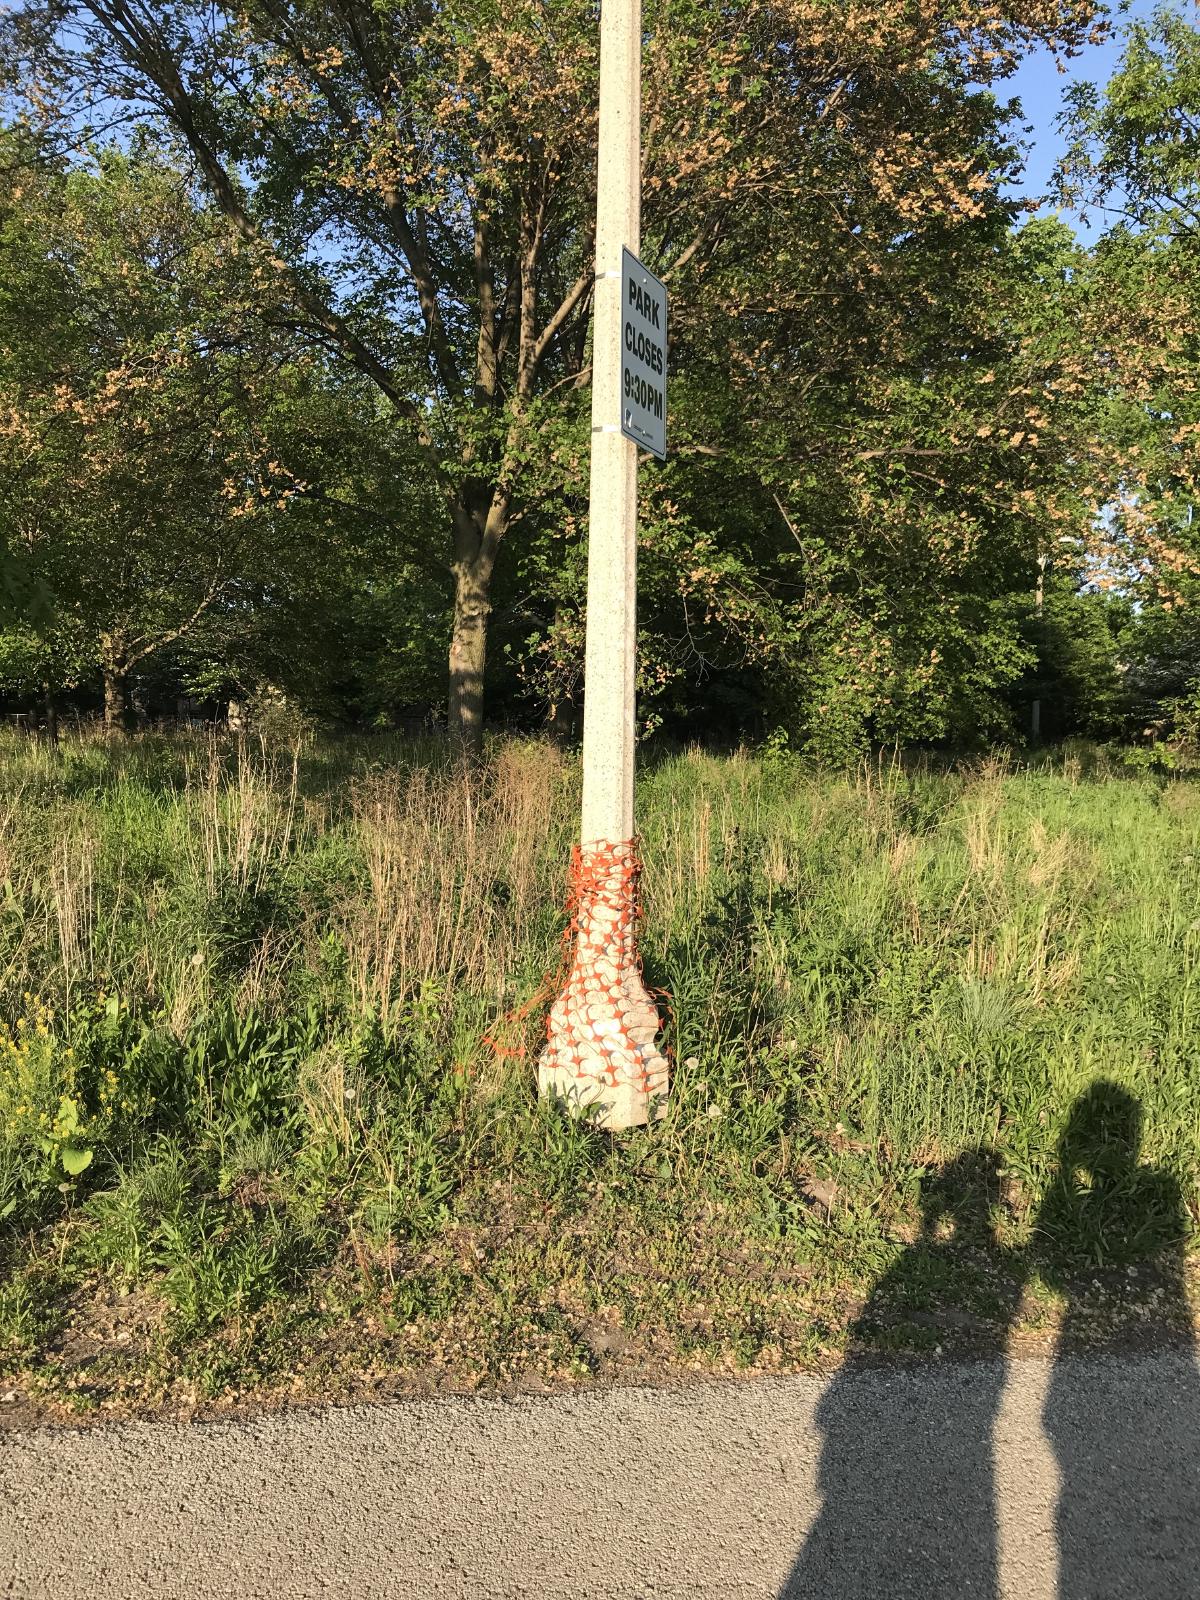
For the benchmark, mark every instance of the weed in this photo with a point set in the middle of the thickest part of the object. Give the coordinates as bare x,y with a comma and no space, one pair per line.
244,1000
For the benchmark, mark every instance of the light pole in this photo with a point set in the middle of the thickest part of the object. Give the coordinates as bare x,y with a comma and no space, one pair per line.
600,1050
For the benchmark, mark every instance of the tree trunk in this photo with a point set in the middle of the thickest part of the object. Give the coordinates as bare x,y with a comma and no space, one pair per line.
468,654
51,711
114,702
114,668
562,710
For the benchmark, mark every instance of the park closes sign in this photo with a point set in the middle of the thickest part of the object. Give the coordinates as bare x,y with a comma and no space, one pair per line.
643,356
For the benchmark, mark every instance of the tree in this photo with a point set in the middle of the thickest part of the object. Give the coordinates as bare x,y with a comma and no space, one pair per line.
419,178
867,467
346,615
1134,155
140,486
919,438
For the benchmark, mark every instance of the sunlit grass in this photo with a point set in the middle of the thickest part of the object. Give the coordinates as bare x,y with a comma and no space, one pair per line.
258,986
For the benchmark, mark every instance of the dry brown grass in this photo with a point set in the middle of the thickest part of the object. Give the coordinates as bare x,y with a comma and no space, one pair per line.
245,821
458,869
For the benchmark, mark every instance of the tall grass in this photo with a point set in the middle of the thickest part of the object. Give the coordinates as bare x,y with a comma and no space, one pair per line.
269,977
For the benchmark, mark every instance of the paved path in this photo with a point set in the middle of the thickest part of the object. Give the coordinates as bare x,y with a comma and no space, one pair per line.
1077,1481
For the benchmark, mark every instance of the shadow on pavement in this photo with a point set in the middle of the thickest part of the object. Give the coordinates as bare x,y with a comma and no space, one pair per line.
1128,1515
907,1474
907,1491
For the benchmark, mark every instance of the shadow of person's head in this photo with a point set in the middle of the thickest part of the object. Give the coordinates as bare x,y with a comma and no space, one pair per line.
952,1286
1103,1133
958,1200
1103,1205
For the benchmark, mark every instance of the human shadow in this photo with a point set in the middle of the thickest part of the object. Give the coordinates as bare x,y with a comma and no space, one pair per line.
1124,1428
906,1472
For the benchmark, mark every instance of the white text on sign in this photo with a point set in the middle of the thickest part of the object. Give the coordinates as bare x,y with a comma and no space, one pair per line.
643,356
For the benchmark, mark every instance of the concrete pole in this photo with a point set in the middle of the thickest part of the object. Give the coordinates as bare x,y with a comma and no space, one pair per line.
600,1049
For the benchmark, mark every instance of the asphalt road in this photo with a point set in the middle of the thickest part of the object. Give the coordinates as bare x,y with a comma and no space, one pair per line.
1078,1480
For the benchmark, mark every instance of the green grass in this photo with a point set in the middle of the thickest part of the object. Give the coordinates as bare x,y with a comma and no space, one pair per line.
253,1141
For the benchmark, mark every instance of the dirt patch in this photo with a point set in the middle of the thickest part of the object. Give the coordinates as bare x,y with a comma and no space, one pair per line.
108,1360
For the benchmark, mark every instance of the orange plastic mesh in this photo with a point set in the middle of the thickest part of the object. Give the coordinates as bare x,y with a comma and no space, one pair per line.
603,1023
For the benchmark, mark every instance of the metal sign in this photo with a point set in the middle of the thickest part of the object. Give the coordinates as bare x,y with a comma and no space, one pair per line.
643,356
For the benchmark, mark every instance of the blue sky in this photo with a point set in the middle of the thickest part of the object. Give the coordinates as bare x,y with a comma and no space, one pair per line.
1039,86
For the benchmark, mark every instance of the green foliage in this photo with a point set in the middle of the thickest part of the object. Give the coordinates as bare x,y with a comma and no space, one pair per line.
1135,138
129,381
300,1133
823,188
48,1135
1135,159
1084,642
190,501
235,463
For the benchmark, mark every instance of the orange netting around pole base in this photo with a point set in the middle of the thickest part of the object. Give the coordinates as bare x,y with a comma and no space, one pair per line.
602,1027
